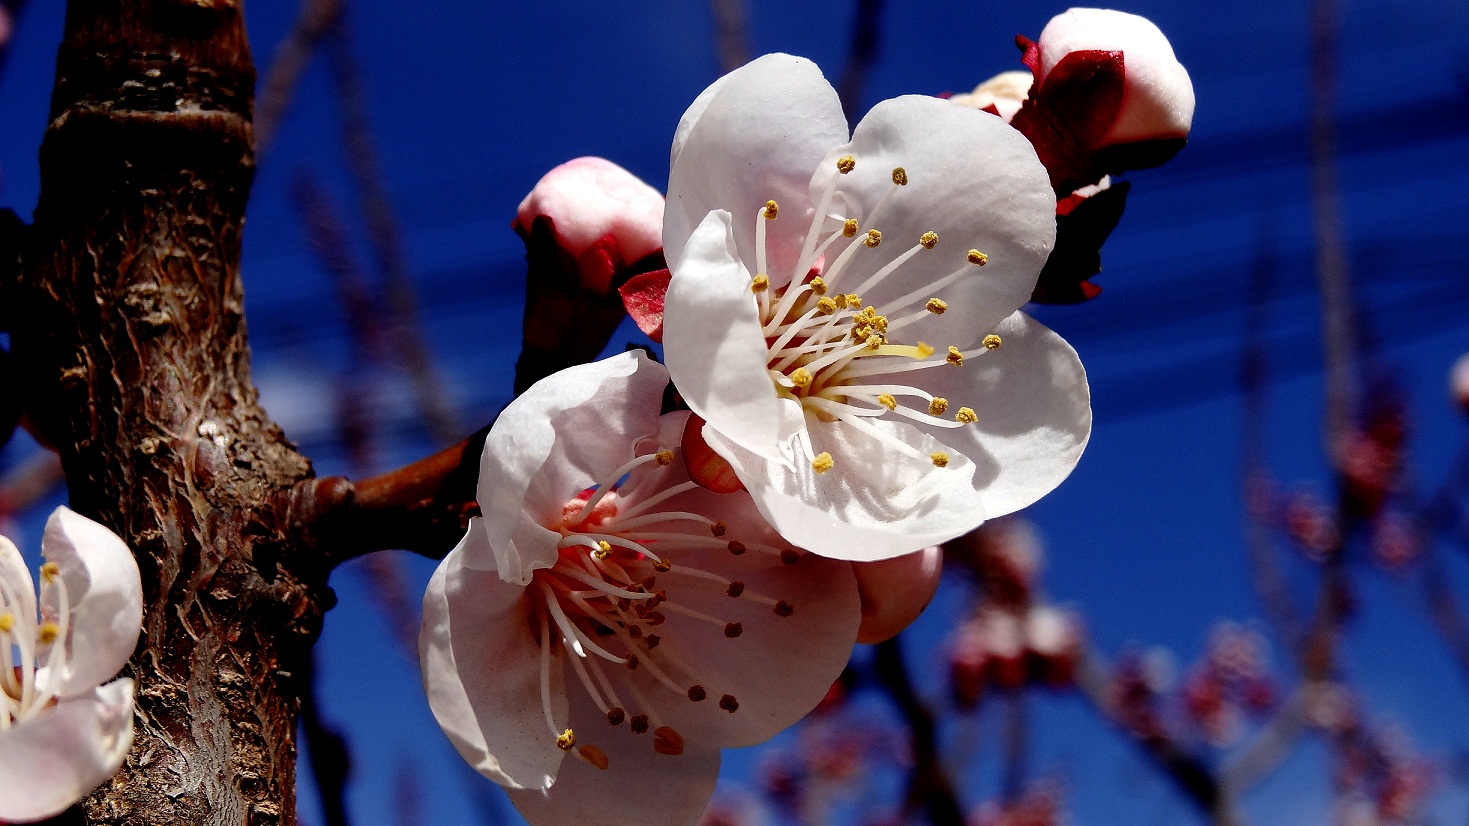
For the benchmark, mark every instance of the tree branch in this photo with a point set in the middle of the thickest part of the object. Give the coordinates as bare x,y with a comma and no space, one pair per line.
929,785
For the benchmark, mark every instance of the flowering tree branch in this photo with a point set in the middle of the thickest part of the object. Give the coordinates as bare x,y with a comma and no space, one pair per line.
929,785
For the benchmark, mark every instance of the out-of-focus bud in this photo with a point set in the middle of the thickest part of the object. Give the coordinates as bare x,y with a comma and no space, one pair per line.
895,591
1005,636
968,653
1459,383
1002,94
1053,640
589,226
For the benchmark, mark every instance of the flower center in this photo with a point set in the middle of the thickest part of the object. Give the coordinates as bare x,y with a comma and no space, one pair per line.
624,562
844,360
28,646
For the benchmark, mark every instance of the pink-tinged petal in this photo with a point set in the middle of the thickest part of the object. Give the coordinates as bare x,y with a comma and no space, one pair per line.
972,180
105,595
643,296
754,136
1034,413
52,760
712,471
639,787
874,503
895,591
17,589
1459,383
715,349
538,455
1158,97
1004,92
481,672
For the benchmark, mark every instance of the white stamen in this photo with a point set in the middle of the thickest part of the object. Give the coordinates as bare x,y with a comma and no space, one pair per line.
841,412
546,676
622,517
876,278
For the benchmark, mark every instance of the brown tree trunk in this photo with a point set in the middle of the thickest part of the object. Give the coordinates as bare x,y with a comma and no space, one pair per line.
128,326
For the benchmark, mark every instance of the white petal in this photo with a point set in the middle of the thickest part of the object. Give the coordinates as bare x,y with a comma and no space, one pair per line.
713,342
105,594
1005,91
1034,410
639,787
17,585
975,182
481,671
52,760
755,136
561,436
874,503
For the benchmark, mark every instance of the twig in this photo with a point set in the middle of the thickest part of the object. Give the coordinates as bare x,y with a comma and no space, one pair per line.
314,22
1013,748
731,34
928,784
866,26
1271,745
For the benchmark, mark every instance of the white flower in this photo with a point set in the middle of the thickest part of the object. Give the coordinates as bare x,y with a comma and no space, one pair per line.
606,608
1006,92
60,733
898,399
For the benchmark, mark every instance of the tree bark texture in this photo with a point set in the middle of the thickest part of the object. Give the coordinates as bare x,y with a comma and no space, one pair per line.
128,330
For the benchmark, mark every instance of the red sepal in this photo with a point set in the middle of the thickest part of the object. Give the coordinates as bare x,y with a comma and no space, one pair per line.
707,468
643,296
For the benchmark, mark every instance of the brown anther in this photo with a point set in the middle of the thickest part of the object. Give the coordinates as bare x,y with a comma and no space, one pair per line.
647,584
638,724
954,357
928,239
789,557
846,163
718,528
656,618
735,588
992,342
733,629
667,741
652,641
818,286
849,227
616,716
873,238
593,755
697,694
900,176
966,415
938,406
566,741
662,566
729,703
771,209
623,603
937,306
736,547
664,457
635,631
784,609
977,258
760,283
632,662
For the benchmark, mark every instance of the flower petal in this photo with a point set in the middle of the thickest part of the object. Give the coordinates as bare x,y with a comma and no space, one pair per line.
481,672
105,595
539,454
16,585
639,787
52,760
715,349
1034,410
972,180
755,135
895,591
874,503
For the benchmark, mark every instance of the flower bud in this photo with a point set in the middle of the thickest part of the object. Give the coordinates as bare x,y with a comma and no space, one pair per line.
1002,94
1459,383
895,591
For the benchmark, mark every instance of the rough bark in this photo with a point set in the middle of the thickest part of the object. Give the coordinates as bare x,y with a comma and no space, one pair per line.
131,338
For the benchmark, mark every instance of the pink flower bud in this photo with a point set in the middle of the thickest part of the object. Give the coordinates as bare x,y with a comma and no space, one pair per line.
895,591
1157,96
1459,383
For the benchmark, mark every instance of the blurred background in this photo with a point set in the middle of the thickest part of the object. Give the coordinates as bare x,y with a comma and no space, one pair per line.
1211,621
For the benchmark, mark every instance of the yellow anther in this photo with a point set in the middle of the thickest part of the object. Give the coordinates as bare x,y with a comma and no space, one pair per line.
938,406
849,228
869,312
846,163
818,286
825,306
664,457
853,301
900,176
937,306
876,340
760,283
49,571
978,258
593,755
924,349
771,208
881,323
954,357
801,377
992,342
603,549
873,238
566,741
966,415
823,462
7,622
48,633
887,400
718,528
662,566
928,239
940,459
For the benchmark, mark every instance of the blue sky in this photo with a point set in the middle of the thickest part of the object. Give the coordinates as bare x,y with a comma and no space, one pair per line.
472,102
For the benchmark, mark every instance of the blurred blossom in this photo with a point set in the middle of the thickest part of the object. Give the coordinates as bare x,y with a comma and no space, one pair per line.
1040,805
1459,383
1311,525
1396,541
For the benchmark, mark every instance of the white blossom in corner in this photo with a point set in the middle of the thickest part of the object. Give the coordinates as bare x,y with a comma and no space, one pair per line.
64,728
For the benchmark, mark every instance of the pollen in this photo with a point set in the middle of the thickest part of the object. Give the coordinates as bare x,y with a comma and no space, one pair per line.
954,357
7,622
940,459
593,755
876,340
825,306
784,609
801,377
887,400
789,557
603,549
729,703
616,716
928,239
818,286
48,633
736,547
733,629
966,415
874,238
823,462
900,176
771,209
697,694
924,349
760,283
992,342
49,571
664,457
846,163
853,301
937,306
718,528
638,724
667,741
566,741
849,228
735,588
978,258
938,406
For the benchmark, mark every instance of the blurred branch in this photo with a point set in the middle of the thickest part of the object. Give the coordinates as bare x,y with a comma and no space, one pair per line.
331,763
861,54
1013,748
928,784
1270,746
314,22
731,34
